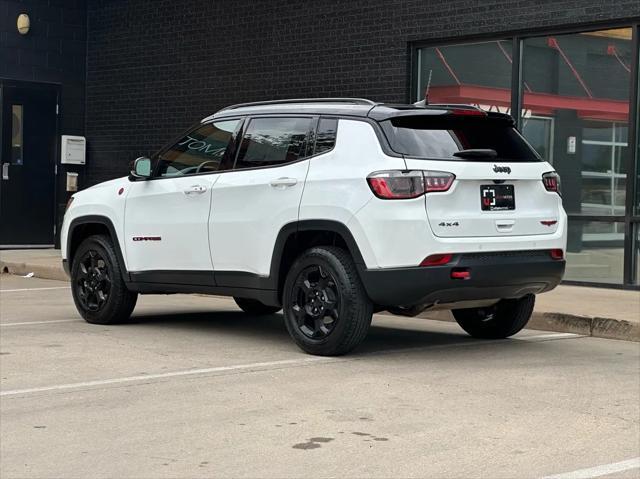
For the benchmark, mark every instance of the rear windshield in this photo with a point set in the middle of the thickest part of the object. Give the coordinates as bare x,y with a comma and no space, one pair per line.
440,138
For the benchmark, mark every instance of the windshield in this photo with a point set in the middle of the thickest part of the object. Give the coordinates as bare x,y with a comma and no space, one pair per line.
440,137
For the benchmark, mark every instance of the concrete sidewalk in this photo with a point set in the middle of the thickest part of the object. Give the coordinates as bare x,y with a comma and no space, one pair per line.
599,312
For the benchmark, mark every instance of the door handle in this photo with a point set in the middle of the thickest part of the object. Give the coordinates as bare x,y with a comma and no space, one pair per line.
5,171
283,182
195,190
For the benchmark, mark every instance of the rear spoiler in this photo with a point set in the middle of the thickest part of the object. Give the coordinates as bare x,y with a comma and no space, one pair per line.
386,112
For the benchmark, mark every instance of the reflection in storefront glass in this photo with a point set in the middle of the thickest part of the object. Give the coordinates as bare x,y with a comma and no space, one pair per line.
597,253
16,135
579,84
474,73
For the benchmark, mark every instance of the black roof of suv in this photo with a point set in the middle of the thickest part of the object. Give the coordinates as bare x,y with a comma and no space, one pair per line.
357,107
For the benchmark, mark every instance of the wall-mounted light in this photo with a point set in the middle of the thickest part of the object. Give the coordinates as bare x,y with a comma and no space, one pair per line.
24,23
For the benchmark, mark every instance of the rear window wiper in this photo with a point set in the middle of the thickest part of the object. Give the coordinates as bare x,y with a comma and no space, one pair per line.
476,153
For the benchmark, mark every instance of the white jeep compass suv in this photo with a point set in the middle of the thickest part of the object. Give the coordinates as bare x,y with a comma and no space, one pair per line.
330,209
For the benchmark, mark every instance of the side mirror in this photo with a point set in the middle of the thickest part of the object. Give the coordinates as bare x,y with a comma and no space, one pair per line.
141,169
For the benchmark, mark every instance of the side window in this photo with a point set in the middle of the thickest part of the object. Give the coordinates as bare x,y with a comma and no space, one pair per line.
272,141
326,135
201,151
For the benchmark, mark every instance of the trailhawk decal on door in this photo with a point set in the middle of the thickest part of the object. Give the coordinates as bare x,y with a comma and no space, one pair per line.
147,238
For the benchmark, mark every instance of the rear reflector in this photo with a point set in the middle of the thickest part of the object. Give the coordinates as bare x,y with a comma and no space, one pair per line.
399,185
437,259
557,253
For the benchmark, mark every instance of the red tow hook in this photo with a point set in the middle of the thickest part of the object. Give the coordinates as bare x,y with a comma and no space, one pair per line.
460,273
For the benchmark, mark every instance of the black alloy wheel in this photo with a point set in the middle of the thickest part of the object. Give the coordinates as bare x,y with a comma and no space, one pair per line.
316,302
326,308
93,282
97,284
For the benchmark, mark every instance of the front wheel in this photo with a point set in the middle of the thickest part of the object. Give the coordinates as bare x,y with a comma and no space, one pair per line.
99,292
326,308
503,319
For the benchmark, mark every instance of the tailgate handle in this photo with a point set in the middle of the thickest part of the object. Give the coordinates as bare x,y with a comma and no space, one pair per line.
505,225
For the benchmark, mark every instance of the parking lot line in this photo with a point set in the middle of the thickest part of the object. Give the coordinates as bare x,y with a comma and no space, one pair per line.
26,323
549,336
188,372
599,471
33,289
251,366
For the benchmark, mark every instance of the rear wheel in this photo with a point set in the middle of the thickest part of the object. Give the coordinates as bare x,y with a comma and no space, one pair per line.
326,309
99,292
253,306
504,319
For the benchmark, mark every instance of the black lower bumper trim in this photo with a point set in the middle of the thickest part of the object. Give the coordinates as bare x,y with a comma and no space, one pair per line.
492,276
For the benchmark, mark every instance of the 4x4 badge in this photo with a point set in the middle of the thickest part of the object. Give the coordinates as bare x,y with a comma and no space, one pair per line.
502,169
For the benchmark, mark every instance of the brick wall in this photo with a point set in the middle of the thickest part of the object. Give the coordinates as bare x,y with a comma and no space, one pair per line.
54,51
156,66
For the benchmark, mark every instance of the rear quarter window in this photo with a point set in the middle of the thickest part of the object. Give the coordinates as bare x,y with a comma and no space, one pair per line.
326,135
440,138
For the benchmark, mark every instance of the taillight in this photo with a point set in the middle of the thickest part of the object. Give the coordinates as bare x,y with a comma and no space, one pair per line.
397,185
551,181
557,253
437,259
435,181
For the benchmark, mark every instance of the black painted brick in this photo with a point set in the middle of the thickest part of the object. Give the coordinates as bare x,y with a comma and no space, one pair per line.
155,67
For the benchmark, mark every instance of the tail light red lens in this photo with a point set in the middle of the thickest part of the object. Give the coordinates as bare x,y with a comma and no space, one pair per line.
437,259
551,181
397,185
435,181
557,253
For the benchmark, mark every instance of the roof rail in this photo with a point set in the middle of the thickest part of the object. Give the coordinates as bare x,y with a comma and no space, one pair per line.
355,101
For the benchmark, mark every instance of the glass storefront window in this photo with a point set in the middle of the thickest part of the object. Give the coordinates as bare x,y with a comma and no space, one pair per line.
597,252
579,85
474,73
575,95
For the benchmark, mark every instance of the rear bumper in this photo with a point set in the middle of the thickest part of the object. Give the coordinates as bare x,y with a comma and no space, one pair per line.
493,275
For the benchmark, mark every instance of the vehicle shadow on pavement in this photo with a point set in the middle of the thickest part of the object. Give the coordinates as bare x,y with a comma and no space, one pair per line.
239,325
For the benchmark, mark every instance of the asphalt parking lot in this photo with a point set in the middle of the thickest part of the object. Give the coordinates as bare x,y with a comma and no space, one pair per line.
196,388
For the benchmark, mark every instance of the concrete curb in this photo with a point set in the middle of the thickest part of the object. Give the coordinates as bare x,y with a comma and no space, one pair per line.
598,327
44,271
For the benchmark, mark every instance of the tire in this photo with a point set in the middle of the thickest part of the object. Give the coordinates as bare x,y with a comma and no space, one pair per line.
326,308
499,321
99,292
253,306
